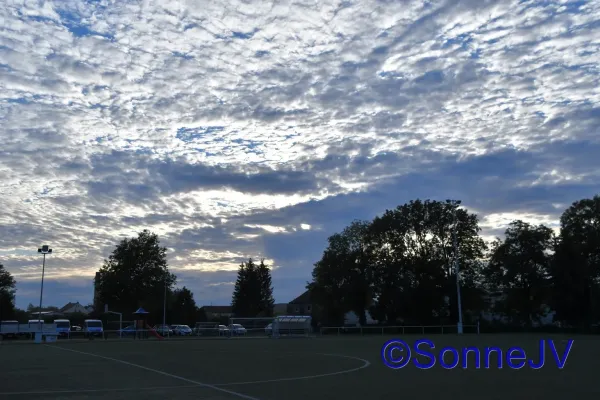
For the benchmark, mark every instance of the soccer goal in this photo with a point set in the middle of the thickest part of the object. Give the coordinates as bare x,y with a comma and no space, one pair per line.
274,327
206,329
250,326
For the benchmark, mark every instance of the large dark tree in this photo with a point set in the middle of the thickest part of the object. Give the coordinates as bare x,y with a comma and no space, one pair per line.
576,270
519,266
402,265
267,302
246,297
253,291
414,259
182,308
7,294
342,279
134,276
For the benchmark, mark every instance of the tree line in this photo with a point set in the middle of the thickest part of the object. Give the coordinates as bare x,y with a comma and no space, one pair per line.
136,274
400,267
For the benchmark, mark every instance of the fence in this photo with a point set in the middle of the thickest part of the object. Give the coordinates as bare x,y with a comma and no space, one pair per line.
395,330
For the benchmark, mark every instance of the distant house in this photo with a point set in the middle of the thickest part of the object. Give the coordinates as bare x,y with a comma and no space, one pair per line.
96,279
46,314
217,312
301,305
72,308
280,309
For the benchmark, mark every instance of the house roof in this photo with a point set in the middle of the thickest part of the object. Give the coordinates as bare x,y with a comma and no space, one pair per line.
304,298
218,309
69,305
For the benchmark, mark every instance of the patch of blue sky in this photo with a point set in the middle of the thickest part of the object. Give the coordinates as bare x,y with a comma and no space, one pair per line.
77,27
243,35
190,134
22,100
183,55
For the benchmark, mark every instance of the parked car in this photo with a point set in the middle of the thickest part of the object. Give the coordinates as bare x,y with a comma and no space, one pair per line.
164,330
223,330
182,330
237,330
127,331
76,328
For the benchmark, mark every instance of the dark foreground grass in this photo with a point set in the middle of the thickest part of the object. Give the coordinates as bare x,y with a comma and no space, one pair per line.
291,369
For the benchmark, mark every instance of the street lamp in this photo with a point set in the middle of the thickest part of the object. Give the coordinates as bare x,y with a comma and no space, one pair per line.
456,269
165,308
43,250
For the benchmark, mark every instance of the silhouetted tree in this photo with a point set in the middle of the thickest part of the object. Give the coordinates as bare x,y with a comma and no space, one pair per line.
246,298
267,302
183,308
134,276
7,294
400,265
520,267
576,267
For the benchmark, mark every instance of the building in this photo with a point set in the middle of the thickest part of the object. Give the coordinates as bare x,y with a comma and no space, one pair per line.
72,308
301,305
280,309
217,312
96,279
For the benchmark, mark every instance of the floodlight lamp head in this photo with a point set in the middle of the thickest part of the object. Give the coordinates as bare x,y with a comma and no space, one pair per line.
45,250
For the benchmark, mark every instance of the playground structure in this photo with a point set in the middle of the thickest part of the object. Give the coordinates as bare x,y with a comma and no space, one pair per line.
141,325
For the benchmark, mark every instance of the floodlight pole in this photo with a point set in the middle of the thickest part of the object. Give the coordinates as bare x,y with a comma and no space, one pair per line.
165,308
457,272
43,250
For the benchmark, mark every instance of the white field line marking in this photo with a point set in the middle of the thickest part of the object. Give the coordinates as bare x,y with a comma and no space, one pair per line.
347,371
96,390
241,395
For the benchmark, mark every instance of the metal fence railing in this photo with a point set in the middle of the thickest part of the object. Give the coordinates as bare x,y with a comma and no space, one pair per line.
395,330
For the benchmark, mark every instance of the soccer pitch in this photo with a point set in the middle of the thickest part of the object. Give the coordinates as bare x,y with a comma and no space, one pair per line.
262,369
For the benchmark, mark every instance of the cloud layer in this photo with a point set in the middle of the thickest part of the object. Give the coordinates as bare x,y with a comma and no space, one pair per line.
242,129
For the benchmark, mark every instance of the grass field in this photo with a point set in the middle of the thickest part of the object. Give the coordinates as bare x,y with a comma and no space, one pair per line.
294,369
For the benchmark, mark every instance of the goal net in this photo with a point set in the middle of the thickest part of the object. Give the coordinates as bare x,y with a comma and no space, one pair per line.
251,326
206,329
274,327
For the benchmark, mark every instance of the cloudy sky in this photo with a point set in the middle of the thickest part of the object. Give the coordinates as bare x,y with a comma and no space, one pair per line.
238,129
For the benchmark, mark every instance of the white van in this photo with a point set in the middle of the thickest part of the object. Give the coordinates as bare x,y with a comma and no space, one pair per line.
9,329
93,327
35,324
63,327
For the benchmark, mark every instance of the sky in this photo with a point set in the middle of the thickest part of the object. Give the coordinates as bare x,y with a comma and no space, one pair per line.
237,129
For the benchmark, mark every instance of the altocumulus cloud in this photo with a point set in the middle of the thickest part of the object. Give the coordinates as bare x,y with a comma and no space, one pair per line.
237,129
